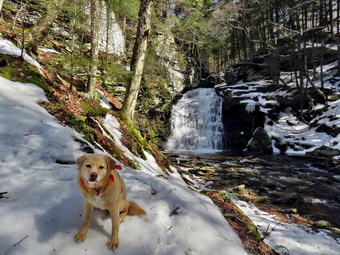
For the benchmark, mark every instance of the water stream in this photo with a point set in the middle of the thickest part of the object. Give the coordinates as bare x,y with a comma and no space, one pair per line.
196,123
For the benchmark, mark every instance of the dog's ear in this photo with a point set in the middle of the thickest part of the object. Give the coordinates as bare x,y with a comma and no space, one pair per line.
81,159
109,162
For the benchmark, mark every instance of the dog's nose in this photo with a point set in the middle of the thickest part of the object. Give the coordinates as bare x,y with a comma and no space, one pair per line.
93,176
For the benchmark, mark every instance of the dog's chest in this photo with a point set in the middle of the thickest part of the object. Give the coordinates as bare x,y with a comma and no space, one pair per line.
98,202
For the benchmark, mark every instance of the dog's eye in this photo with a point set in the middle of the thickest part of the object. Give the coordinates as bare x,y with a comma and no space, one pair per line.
88,166
101,167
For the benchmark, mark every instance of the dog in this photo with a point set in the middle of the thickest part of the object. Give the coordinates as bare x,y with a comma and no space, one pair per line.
102,187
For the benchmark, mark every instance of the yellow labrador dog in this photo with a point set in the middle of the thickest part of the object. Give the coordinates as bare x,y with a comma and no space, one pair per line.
103,188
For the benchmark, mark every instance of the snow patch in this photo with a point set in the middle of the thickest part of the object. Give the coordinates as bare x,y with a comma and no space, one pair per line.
8,48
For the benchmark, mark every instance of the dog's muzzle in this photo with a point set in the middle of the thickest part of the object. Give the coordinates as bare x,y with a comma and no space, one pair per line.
93,177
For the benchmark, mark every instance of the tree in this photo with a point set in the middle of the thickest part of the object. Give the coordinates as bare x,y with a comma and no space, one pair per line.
39,31
91,84
138,59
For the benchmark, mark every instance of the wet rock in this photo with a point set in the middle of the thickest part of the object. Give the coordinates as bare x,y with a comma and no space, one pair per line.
335,230
240,188
289,210
260,142
333,131
325,151
244,198
289,199
260,200
322,224
230,215
333,97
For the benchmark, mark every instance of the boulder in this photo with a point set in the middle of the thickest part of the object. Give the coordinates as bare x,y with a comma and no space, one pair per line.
230,78
322,224
260,142
248,71
325,151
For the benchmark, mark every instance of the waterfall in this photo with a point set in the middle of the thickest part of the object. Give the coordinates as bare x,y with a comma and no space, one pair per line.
196,122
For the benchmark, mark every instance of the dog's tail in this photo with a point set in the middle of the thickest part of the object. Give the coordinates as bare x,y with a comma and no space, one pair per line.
135,209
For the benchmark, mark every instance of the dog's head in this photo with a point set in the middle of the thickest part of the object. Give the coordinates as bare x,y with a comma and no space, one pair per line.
94,168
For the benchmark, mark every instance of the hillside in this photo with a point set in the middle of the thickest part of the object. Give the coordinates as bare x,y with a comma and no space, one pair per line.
43,209
253,83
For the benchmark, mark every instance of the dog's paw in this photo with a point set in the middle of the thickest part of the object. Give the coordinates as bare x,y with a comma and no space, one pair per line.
78,238
113,244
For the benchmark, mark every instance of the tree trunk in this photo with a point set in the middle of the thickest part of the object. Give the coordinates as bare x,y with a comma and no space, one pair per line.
338,33
39,31
138,59
244,44
322,62
91,85
108,25
338,52
330,5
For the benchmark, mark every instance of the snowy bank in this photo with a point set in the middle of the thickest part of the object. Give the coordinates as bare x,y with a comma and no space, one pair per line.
290,238
44,209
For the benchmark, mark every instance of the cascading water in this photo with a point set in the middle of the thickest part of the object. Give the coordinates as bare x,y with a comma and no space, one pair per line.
196,122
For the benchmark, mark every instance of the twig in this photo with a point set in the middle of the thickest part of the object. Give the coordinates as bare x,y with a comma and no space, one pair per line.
168,230
20,241
2,195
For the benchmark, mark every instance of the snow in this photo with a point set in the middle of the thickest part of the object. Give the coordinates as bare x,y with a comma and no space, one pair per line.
251,104
290,238
49,50
44,208
103,100
8,48
288,129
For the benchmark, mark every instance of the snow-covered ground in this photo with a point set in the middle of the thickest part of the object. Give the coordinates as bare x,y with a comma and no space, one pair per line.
44,208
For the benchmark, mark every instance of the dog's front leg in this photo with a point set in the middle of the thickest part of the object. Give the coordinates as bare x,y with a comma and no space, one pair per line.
88,208
114,242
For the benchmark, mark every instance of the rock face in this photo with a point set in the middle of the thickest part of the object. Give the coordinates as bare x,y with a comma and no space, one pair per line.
260,142
111,36
172,61
239,125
